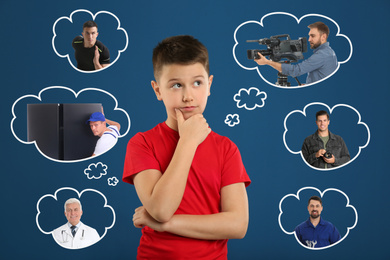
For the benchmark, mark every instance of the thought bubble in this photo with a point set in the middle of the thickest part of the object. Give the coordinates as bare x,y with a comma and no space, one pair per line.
96,171
110,32
232,120
57,95
250,98
282,23
345,121
113,181
96,213
336,209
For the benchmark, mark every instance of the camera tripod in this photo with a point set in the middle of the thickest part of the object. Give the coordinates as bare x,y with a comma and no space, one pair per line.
283,79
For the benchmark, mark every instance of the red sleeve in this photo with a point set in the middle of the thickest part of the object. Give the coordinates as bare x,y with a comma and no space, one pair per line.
233,169
139,157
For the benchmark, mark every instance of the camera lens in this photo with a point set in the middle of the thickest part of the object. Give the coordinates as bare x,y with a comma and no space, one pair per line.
328,155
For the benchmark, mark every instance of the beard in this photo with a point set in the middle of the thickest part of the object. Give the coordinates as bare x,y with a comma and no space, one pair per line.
315,45
314,214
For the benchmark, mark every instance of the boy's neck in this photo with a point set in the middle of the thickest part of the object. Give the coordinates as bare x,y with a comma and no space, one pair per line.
172,124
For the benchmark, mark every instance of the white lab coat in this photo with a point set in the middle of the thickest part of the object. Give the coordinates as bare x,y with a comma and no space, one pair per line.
84,237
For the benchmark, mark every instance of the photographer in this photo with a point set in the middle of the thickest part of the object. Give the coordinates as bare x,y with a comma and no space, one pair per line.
324,149
321,64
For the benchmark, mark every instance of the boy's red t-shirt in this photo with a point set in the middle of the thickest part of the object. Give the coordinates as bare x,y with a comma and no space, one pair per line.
217,163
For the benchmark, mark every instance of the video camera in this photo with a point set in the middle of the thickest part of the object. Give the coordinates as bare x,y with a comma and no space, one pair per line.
279,49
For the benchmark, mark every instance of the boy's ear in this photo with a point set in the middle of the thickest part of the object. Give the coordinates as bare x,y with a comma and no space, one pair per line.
156,89
210,82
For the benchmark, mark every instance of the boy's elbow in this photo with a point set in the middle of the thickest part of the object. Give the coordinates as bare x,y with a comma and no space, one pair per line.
161,216
240,230
162,219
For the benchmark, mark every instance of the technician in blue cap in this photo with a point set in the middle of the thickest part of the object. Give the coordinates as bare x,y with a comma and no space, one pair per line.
108,134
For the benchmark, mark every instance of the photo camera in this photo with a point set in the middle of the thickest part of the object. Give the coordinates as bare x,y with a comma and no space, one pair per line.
328,155
278,49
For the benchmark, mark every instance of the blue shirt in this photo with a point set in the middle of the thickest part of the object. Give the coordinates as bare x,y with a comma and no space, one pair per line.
320,65
324,234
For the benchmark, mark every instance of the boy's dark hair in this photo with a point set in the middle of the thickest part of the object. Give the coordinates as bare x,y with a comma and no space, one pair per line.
321,27
314,198
89,24
182,49
321,113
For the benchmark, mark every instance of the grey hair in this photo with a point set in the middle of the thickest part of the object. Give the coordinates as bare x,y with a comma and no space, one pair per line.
72,200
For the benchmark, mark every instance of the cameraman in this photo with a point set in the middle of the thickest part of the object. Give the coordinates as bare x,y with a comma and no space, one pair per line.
321,64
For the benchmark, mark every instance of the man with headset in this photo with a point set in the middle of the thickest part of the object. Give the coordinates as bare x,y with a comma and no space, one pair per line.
75,234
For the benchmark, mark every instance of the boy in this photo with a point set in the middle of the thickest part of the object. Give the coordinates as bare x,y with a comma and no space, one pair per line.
190,180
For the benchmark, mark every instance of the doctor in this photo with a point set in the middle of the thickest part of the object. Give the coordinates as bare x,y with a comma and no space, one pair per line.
75,234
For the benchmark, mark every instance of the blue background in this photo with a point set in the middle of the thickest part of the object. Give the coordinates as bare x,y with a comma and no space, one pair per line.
29,65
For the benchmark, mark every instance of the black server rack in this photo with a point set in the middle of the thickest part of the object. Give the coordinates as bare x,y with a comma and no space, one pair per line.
61,130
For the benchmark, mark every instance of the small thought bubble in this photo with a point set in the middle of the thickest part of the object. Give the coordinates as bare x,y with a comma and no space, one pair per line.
112,181
96,171
232,120
250,98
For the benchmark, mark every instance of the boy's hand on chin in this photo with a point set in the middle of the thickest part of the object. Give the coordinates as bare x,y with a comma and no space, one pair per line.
195,128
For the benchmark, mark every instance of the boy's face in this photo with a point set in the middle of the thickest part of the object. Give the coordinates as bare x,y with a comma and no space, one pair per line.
185,87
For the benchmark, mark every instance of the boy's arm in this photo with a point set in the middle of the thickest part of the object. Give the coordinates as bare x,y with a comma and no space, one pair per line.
230,223
161,194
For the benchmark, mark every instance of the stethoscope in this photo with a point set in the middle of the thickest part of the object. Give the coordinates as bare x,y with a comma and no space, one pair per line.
66,240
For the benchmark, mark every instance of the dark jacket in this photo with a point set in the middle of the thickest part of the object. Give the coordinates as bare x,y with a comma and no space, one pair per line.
335,145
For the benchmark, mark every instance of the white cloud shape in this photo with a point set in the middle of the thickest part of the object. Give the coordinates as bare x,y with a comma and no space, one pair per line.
96,171
261,26
93,17
58,92
232,120
44,212
283,204
250,98
112,181
301,128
